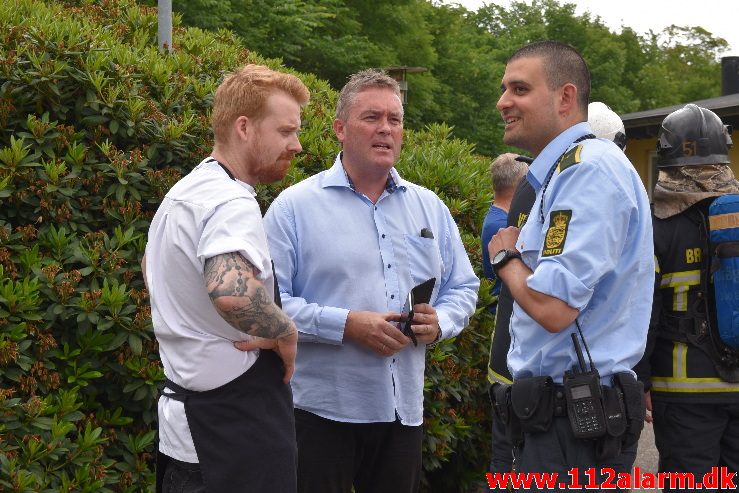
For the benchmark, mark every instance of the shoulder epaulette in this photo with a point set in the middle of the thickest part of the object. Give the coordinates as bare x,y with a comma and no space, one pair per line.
569,158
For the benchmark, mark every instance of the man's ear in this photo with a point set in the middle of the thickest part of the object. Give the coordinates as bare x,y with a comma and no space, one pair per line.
568,99
243,127
339,129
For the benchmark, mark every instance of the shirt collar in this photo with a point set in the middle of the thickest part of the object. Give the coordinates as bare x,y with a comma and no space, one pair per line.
210,160
551,153
338,177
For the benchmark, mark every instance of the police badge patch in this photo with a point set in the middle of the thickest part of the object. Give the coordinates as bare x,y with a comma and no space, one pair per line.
554,242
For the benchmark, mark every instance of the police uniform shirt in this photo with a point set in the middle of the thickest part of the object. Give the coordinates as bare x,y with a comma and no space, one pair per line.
204,215
593,251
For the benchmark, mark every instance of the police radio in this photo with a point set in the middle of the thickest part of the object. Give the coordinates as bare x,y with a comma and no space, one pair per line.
583,395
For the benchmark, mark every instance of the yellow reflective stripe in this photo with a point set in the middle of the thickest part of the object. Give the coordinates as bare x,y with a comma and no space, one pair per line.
494,377
680,282
682,383
656,265
692,385
724,221
680,360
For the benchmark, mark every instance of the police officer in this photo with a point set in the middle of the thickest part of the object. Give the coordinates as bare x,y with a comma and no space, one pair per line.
575,267
605,123
691,377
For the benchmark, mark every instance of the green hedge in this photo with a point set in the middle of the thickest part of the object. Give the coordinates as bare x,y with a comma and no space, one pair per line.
95,126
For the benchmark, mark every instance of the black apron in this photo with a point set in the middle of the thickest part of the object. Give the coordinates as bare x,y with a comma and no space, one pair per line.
243,431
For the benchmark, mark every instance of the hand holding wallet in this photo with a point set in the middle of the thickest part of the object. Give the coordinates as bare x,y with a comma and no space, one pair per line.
419,294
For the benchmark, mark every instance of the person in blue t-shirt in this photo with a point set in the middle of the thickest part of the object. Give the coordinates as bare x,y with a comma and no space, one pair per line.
505,171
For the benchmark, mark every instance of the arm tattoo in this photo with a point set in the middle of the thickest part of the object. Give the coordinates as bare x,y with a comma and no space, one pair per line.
240,298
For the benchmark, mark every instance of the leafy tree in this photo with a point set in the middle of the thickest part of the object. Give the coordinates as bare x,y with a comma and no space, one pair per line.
464,51
468,71
691,55
636,58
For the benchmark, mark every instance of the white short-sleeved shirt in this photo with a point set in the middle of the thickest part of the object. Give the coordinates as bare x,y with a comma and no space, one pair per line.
205,214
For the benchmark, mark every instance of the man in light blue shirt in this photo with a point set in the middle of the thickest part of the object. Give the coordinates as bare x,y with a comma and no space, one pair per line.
348,245
584,255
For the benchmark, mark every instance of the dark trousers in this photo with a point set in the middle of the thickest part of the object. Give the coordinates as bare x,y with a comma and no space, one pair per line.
696,437
502,458
557,450
373,457
182,477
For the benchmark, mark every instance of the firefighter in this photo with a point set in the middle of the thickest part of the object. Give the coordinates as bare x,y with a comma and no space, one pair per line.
691,378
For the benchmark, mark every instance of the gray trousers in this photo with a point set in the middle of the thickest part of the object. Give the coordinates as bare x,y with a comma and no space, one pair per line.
558,451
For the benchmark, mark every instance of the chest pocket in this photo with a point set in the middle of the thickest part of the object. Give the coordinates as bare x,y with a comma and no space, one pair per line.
424,260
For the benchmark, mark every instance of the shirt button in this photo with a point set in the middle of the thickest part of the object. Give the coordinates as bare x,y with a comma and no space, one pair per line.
392,296
375,207
383,235
388,266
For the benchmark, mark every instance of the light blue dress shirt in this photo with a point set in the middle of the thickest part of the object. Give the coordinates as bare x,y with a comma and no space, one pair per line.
605,268
335,251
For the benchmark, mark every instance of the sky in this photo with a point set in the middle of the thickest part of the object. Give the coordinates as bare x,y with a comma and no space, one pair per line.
716,16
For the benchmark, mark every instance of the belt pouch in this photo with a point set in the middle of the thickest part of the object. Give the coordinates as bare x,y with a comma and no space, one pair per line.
609,445
501,395
633,392
532,400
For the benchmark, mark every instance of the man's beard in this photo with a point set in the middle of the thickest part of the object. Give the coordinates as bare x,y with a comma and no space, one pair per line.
277,170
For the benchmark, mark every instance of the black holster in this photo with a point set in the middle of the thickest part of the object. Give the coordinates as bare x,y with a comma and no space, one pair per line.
609,445
633,396
623,404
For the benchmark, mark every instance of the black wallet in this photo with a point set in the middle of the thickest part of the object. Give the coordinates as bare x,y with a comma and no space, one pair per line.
419,294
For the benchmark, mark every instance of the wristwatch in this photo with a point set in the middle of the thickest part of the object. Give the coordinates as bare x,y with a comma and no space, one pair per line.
502,257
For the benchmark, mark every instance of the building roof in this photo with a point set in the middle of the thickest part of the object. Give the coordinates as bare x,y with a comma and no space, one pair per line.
645,124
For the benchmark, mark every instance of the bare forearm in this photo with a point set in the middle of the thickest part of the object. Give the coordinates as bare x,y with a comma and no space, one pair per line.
241,298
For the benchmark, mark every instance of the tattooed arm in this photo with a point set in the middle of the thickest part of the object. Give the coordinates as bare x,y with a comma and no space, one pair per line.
241,299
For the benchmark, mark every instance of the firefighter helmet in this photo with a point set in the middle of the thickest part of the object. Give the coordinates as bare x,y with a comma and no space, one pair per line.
693,136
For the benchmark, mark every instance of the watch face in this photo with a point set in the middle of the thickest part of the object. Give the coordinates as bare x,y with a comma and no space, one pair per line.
499,257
